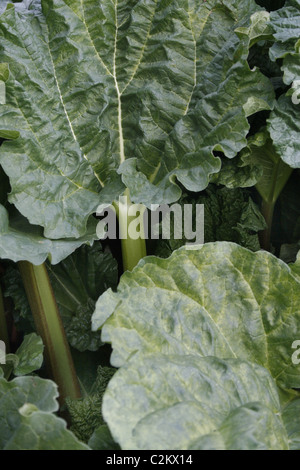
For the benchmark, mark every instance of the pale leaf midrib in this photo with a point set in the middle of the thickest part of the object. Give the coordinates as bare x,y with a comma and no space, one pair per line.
65,109
119,95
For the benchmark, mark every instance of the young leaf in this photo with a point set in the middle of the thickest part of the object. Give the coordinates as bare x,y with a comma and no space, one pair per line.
143,91
30,355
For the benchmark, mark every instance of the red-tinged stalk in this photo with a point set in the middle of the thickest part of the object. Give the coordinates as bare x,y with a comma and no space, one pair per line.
50,328
3,325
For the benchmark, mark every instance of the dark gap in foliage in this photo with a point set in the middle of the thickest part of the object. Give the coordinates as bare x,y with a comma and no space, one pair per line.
271,5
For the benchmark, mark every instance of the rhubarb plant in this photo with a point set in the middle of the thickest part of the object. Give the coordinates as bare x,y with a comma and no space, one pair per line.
205,360
188,102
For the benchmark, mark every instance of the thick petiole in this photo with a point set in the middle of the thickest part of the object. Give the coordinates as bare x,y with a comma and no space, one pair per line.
50,328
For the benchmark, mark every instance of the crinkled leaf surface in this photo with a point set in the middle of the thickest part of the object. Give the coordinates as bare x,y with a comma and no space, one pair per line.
283,125
217,300
14,288
19,240
284,121
27,422
286,28
77,282
86,413
152,86
229,215
187,402
237,173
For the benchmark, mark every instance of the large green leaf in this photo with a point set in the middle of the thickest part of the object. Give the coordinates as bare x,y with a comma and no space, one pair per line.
146,89
217,300
187,402
27,421
284,121
86,413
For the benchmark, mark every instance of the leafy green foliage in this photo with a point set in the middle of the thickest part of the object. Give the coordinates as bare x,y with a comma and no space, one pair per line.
27,359
283,125
14,288
78,282
229,215
191,101
284,121
30,355
86,414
